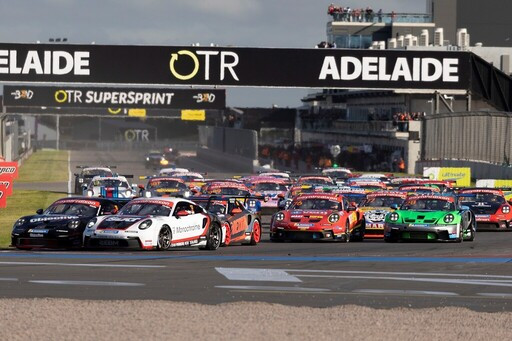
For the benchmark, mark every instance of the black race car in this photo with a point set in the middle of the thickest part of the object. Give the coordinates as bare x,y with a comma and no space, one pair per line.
83,178
62,224
155,160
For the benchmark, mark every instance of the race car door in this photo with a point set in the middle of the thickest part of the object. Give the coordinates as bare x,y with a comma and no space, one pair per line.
238,219
188,223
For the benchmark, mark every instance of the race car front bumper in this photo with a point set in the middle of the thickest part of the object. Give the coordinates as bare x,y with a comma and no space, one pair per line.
422,232
306,234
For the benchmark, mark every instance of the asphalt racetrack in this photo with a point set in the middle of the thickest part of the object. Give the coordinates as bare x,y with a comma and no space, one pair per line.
476,275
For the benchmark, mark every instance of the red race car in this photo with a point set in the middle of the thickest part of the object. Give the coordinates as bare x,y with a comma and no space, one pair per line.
316,217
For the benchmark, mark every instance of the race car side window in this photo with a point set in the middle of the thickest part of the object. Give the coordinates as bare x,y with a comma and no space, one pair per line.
198,209
107,208
184,206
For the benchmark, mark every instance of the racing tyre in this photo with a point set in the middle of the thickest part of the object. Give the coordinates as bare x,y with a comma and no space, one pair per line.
471,230
256,232
164,238
347,232
227,238
460,239
214,237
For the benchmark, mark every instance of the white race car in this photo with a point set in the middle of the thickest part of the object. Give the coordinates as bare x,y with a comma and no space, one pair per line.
110,187
172,171
162,223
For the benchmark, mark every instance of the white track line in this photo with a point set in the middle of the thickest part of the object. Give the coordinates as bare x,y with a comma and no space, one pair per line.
405,292
86,265
93,283
271,288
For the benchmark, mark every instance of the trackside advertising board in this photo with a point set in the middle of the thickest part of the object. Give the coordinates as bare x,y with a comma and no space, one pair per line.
8,172
234,66
88,97
494,183
461,174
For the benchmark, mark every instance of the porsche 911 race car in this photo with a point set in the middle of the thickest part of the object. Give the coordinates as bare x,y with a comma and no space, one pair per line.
369,185
162,186
271,188
171,171
160,223
315,180
110,187
375,208
340,175
239,225
62,224
155,159
316,217
430,218
83,178
490,207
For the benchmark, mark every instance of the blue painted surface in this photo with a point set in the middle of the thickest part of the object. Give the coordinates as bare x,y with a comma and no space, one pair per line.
257,258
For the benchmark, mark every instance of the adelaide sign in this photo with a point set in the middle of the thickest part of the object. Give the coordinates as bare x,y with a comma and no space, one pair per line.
231,66
71,97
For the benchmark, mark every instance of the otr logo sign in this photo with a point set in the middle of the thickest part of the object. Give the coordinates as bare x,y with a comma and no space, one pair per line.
227,62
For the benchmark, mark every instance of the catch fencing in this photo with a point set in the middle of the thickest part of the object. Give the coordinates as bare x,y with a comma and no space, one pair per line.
234,141
473,136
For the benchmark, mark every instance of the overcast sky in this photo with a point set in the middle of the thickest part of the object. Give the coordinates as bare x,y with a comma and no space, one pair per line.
255,23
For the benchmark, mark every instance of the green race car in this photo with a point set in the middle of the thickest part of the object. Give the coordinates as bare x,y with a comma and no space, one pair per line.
432,217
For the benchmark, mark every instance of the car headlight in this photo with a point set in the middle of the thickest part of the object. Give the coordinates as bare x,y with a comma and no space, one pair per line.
333,218
19,222
91,223
449,218
505,209
145,224
148,194
186,194
74,224
80,180
147,159
128,192
393,216
90,193
279,216
164,162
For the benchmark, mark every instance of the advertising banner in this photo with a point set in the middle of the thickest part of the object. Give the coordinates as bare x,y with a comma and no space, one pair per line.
460,174
494,183
8,170
3,197
193,115
233,66
6,182
115,98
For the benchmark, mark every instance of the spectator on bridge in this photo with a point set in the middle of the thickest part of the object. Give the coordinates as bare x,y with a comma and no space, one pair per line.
379,15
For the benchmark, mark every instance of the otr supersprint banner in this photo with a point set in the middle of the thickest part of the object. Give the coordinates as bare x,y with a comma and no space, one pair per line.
231,66
28,96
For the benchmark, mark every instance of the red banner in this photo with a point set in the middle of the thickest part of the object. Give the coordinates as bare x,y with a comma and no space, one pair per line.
3,196
7,184
9,169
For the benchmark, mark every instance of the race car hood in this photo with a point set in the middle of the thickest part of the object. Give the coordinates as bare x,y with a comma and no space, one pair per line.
50,221
375,214
424,217
119,222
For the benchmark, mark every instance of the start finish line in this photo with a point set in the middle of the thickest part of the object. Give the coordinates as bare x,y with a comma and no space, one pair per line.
256,67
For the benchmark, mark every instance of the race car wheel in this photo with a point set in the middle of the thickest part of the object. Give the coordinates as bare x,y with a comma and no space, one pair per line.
460,239
347,232
227,239
471,230
256,232
214,237
164,238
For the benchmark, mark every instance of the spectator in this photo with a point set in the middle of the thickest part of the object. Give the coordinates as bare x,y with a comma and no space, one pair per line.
379,15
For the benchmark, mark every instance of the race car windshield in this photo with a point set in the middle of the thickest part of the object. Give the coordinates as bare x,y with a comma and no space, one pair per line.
316,181
338,174
428,204
73,209
166,184
383,201
370,187
96,172
110,183
155,155
145,209
316,204
270,187
189,178
483,198
232,191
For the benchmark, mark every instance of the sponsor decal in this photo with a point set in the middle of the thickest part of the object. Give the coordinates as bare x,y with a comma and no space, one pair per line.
122,219
482,217
109,231
188,243
38,231
185,229
8,170
82,202
6,185
31,62
22,94
228,60
131,135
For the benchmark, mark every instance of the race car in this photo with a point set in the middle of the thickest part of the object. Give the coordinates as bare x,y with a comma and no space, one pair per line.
369,185
420,189
338,174
375,208
239,225
171,154
85,176
62,224
155,159
316,217
162,186
172,171
285,201
234,189
272,188
490,207
111,187
155,223
430,218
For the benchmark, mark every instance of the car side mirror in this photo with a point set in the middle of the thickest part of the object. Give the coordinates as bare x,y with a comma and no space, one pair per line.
394,206
182,213
39,211
236,211
141,187
280,196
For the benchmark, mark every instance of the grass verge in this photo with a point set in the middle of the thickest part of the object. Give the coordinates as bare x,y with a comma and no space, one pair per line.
45,166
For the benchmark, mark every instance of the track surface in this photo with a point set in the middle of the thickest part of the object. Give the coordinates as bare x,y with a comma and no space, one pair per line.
476,275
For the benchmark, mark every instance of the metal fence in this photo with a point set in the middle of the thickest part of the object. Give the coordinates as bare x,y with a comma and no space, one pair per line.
243,142
475,136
